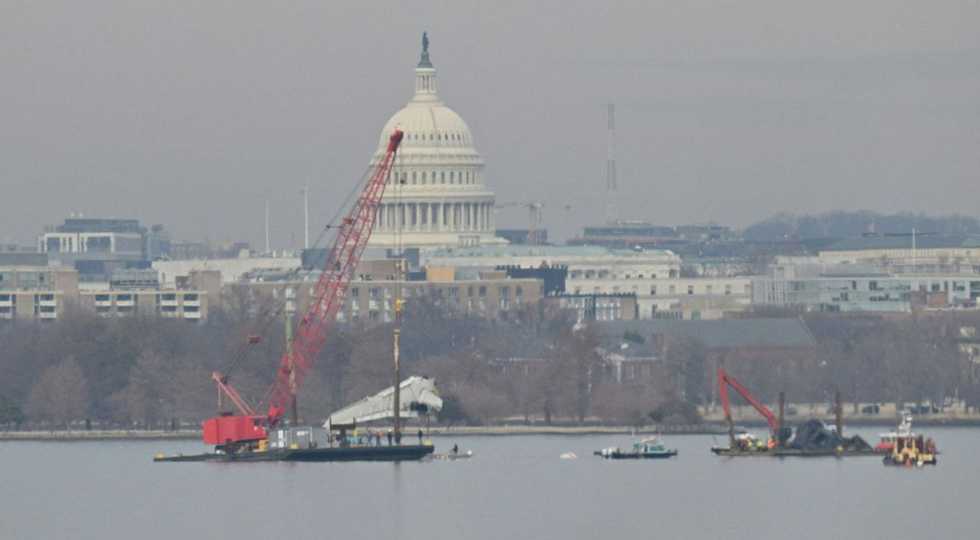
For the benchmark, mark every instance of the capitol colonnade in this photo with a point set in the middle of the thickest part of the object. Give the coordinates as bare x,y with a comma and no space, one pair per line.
418,216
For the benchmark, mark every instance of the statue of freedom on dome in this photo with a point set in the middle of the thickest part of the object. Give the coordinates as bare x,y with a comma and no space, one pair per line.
424,60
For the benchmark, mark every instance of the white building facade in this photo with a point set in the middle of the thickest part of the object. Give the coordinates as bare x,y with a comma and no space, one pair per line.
652,275
811,283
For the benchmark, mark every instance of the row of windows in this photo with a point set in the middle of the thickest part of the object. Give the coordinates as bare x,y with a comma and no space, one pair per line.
606,274
481,290
434,177
672,289
384,314
893,285
189,297
708,289
437,136
24,278
50,312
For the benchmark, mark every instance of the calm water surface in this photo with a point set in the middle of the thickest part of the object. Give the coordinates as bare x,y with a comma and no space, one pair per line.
515,487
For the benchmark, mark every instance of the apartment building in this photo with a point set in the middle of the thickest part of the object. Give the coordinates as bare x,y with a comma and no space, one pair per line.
376,285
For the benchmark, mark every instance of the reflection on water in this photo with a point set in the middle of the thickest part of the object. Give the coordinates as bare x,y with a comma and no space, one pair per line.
514,487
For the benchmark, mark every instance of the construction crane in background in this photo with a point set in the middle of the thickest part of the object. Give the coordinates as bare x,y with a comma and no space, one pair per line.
535,211
612,183
229,432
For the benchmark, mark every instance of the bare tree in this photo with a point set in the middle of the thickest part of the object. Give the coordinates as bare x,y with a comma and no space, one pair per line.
686,361
61,394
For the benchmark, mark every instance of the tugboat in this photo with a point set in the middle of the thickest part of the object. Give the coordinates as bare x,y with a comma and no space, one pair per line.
650,448
886,441
905,448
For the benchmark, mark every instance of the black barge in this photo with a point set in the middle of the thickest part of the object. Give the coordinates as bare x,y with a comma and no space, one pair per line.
339,453
790,452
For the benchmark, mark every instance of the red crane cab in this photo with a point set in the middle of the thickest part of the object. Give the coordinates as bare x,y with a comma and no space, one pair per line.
229,429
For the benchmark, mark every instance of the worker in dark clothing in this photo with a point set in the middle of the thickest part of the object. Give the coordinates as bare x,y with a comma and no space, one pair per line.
389,437
420,436
455,449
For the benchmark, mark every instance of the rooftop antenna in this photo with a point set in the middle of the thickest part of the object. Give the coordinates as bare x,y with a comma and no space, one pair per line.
611,166
913,250
268,247
306,217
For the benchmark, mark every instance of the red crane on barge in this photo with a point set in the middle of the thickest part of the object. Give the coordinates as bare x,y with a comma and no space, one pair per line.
246,429
724,381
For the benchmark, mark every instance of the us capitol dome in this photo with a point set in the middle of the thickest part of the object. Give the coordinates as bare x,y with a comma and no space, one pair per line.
436,196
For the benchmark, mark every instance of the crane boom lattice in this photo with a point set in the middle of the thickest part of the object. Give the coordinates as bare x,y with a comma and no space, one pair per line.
314,328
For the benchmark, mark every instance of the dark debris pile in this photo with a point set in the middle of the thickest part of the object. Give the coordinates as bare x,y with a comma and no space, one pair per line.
814,435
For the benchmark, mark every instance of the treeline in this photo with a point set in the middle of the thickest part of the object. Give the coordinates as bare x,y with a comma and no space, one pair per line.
155,372
911,359
531,366
869,358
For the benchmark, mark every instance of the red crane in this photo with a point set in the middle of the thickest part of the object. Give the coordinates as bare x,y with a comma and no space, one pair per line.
724,381
247,427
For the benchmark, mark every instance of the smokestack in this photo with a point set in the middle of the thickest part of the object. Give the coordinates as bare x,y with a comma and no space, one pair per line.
611,186
268,243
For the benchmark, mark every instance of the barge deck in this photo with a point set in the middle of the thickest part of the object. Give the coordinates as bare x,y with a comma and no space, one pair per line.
340,453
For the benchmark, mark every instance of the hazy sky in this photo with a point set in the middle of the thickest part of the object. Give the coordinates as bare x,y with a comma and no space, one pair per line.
192,114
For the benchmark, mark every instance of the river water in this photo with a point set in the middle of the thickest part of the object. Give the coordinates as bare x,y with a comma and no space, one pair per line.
515,487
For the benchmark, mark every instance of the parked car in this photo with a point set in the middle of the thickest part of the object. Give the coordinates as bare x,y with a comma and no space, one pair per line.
873,408
922,409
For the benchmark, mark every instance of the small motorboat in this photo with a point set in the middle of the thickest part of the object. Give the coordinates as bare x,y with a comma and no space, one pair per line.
650,448
453,456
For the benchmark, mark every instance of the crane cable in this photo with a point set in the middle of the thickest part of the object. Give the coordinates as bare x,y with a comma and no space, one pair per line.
266,398
266,319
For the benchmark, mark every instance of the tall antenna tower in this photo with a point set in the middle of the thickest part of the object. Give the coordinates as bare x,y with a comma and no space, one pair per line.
306,217
268,238
611,186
